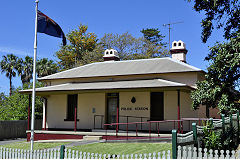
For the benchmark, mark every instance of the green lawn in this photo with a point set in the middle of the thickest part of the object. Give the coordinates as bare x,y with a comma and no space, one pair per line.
124,148
26,145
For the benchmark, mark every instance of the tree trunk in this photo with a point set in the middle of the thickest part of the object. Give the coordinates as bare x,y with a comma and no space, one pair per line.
10,78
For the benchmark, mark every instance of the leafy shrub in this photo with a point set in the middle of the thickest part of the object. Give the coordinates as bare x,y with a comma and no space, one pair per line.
219,140
210,138
229,138
15,107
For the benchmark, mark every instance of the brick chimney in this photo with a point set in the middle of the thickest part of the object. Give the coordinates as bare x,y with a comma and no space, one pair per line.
111,55
179,51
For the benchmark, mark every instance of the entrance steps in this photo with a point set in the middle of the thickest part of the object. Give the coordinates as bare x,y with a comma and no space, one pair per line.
90,138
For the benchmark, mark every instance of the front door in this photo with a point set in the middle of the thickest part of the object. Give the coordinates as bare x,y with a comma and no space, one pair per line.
157,111
112,107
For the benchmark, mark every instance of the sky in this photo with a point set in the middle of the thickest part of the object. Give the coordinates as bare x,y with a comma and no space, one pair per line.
101,16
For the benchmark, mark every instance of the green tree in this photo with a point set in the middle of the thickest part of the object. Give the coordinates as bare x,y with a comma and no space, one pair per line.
130,48
222,78
15,107
75,53
46,67
9,67
123,43
219,14
2,97
25,69
153,35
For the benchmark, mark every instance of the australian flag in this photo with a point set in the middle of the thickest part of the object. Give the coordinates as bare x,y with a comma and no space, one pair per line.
48,26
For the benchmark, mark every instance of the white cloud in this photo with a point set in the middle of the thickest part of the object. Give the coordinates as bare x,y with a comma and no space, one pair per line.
14,51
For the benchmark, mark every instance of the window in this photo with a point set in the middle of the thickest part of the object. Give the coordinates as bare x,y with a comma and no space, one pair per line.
179,44
71,105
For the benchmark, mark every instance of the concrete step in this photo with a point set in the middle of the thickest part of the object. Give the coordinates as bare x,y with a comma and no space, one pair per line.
92,137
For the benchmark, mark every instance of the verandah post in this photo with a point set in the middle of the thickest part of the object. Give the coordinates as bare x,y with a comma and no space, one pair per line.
223,123
174,144
75,119
62,152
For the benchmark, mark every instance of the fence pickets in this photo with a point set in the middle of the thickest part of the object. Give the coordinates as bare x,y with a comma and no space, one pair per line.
72,154
189,153
8,153
182,153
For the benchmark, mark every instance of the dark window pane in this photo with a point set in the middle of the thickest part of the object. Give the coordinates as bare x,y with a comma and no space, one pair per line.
71,104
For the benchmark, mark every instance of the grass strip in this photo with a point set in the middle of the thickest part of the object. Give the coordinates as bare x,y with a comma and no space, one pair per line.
37,146
124,148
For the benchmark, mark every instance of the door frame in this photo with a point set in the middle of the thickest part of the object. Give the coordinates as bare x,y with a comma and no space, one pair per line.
151,103
107,99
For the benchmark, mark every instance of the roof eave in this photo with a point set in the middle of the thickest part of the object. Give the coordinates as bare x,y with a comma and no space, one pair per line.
29,91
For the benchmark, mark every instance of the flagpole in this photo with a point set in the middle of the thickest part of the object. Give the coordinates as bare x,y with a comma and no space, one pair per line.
34,79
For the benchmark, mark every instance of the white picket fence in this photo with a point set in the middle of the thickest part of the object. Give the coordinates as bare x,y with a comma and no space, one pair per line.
182,153
71,154
192,153
7,153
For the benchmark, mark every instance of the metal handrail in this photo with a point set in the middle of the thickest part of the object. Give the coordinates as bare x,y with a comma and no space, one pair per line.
147,122
125,116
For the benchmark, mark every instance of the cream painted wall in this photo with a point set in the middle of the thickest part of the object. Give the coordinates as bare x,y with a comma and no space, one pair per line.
170,105
57,106
186,106
142,102
56,112
86,103
171,109
189,78
141,108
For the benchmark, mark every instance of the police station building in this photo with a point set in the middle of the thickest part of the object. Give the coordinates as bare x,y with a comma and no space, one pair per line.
113,91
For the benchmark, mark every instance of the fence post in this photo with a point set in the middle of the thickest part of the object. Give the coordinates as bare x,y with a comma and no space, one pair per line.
230,116
223,123
194,128
238,127
211,122
174,144
62,152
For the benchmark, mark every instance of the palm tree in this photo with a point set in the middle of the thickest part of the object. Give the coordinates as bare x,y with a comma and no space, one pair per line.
25,69
46,67
8,66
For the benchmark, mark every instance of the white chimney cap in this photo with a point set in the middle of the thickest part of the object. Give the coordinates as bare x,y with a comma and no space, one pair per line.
111,53
178,45
179,51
